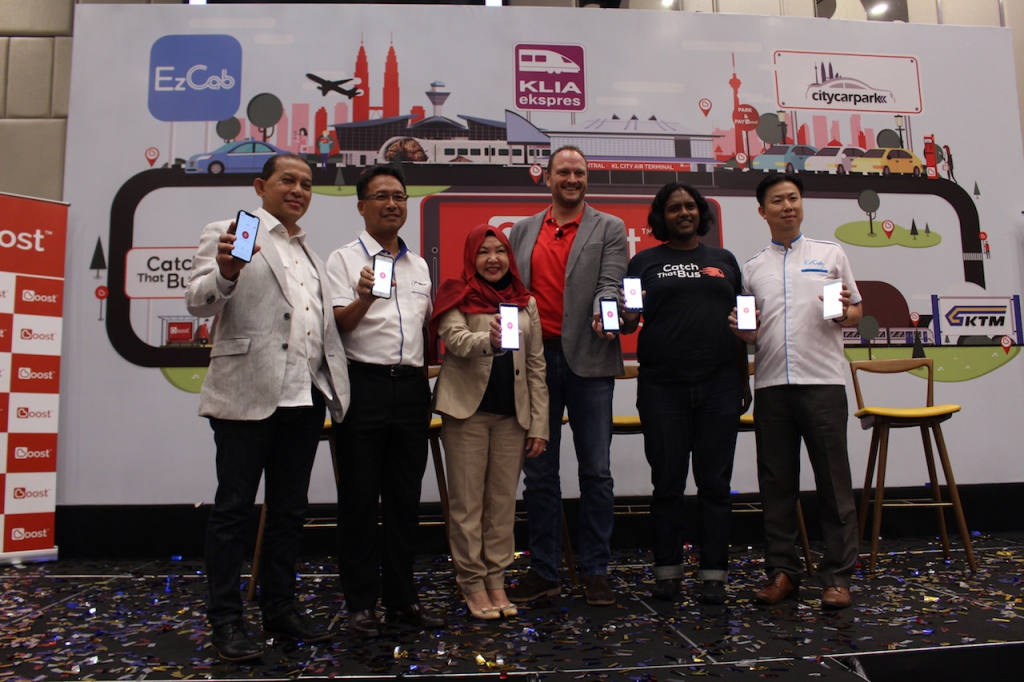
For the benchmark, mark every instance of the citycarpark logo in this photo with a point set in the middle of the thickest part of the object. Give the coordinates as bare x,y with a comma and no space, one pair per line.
195,77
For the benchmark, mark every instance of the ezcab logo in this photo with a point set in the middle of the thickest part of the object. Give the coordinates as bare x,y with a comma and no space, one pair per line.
195,77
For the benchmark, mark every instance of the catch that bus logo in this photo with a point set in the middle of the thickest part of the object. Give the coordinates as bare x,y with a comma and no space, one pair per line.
550,77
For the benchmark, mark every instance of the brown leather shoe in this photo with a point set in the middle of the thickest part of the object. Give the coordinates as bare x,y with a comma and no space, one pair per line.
778,587
835,597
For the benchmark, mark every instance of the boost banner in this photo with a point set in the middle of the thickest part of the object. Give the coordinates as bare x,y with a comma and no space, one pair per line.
32,239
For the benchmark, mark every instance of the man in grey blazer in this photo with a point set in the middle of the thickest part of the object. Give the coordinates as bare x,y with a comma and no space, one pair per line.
571,256
276,361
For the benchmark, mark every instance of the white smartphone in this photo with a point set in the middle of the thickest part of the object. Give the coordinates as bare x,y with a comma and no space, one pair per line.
246,227
831,300
509,326
746,316
633,289
383,273
610,315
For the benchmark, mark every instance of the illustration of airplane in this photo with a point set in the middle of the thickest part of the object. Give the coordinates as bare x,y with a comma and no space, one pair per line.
325,86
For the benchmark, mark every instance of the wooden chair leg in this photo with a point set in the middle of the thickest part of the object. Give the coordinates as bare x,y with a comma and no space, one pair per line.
954,497
862,517
255,579
442,483
876,526
926,437
567,555
803,539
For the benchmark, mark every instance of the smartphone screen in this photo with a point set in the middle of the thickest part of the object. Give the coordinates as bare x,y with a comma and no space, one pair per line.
610,315
246,227
633,289
746,318
509,326
832,304
383,273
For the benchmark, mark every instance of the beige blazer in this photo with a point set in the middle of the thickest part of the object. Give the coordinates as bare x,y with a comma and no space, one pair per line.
467,368
251,332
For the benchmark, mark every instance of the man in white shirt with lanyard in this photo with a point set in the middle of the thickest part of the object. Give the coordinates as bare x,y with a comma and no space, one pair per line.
800,392
276,360
382,443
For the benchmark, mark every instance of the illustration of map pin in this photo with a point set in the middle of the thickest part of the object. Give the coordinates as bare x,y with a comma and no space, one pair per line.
152,154
705,106
915,318
1006,342
536,172
888,226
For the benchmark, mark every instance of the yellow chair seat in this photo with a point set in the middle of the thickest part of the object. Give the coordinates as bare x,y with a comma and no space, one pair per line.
747,419
907,412
435,424
626,422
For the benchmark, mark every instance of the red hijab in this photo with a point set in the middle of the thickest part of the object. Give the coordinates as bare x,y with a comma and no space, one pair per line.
471,293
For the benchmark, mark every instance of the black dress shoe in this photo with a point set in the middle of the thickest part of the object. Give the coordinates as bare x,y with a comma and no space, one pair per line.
666,589
232,644
413,614
364,623
295,626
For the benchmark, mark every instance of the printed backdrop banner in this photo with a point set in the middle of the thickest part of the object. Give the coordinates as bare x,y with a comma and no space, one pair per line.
32,238
174,109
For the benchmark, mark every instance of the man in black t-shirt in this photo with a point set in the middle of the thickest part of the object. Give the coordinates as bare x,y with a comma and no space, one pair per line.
689,391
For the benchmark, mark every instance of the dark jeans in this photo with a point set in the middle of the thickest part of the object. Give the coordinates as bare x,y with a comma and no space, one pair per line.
282,446
680,418
818,414
382,454
589,401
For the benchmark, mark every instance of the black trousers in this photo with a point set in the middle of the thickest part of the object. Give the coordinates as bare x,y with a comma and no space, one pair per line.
283,447
817,414
382,454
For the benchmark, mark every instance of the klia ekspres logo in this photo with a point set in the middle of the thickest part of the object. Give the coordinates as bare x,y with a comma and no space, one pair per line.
195,77
550,77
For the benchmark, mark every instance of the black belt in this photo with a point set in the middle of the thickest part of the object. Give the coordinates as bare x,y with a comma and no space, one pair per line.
387,370
553,344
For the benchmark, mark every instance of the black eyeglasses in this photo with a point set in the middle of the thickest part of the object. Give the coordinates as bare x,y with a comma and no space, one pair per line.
398,197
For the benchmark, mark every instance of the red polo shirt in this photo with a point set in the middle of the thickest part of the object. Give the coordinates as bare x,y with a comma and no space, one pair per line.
547,267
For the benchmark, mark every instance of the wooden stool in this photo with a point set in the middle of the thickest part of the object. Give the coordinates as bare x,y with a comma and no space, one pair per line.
880,420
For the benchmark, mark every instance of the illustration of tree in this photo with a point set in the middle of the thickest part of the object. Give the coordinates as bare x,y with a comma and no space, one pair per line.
99,262
927,230
264,111
977,192
228,129
913,229
869,203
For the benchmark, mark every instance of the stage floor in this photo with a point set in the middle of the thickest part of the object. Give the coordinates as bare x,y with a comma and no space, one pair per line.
918,618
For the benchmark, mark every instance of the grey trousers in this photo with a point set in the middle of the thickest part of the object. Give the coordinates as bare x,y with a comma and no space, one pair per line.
783,415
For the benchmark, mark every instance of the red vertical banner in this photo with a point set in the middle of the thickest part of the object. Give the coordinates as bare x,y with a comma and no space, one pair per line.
33,235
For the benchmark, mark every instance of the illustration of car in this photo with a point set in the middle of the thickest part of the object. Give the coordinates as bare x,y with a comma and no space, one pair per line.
850,86
246,156
886,160
547,61
784,157
838,160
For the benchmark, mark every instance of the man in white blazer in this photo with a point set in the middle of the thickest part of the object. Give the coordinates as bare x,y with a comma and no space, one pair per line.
275,363
571,256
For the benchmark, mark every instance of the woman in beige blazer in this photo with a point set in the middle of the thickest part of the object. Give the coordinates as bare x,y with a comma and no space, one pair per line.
495,413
